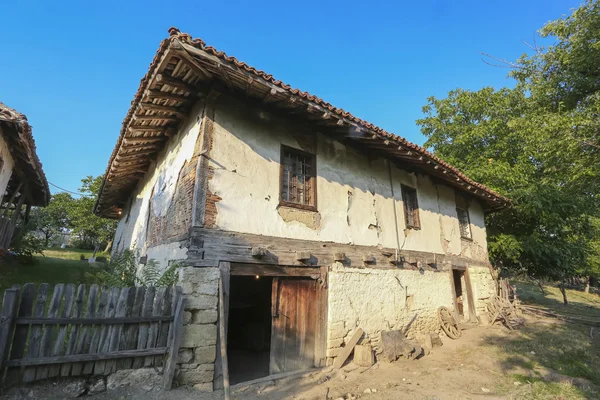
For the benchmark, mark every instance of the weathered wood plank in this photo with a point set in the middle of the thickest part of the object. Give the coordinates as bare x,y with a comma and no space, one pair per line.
59,344
49,330
77,312
127,331
174,341
85,338
147,310
35,336
10,305
105,330
153,331
163,328
91,321
347,350
103,357
115,335
321,320
25,309
274,270
223,321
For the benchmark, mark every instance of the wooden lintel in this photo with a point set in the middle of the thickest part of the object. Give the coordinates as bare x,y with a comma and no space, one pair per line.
158,94
175,83
273,270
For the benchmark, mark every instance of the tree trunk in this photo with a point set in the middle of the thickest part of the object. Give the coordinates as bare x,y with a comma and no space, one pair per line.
108,246
541,286
47,239
564,292
587,285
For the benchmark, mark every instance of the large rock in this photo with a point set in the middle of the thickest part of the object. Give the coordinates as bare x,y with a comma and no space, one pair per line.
97,386
75,388
134,377
205,317
205,355
363,355
199,335
394,345
201,302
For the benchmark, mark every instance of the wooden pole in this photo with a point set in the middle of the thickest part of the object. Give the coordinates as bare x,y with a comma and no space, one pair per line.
12,198
223,317
171,363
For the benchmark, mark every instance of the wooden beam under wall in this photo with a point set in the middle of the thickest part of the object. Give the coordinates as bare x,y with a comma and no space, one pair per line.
274,270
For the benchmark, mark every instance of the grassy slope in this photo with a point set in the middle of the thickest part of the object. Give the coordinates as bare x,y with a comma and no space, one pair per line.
562,347
56,266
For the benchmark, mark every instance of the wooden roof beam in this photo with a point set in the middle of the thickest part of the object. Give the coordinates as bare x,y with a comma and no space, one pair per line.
175,83
158,94
146,128
141,139
188,59
159,108
225,75
155,117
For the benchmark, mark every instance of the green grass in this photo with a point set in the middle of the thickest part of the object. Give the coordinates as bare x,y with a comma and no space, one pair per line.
72,254
543,350
56,266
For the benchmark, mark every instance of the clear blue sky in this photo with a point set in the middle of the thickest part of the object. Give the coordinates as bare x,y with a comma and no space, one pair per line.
73,66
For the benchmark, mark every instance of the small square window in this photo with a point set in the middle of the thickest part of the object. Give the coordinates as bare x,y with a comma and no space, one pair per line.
298,179
411,207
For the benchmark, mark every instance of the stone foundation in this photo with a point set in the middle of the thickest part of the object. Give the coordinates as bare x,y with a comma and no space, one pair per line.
198,350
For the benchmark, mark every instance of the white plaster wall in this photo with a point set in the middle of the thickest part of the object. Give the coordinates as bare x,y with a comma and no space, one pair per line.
162,176
380,300
7,167
355,200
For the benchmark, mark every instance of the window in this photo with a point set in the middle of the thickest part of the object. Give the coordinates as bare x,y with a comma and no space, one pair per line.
411,207
298,179
462,212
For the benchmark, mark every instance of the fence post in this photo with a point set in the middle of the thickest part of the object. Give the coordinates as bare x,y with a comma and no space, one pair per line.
169,369
7,315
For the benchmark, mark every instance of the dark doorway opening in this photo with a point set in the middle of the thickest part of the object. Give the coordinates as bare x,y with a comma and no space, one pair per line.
458,291
249,327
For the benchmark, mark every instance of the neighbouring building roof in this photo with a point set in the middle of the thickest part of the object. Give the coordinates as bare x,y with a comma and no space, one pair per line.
183,66
16,132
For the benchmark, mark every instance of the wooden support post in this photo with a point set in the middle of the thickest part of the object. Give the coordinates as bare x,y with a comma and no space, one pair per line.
7,316
12,198
17,211
224,268
171,363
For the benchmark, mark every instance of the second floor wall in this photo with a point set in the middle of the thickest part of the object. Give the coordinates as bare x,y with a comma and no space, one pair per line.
359,198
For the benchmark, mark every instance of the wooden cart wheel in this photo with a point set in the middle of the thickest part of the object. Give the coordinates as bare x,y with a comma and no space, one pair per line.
448,323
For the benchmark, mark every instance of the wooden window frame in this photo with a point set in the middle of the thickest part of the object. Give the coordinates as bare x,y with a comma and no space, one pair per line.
463,204
313,185
405,189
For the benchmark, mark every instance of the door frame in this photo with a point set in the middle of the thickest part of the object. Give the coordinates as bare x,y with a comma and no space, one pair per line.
468,289
228,269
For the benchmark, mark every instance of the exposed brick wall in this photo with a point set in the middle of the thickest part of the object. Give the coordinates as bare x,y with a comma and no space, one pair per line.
210,213
179,214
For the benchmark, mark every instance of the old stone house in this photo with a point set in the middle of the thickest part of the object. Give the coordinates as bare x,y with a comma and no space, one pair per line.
23,183
318,222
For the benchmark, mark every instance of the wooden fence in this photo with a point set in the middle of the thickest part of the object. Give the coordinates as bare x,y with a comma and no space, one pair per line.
7,228
71,331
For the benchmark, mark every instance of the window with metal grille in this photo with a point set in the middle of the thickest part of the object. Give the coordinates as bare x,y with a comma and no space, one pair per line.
411,207
462,212
298,179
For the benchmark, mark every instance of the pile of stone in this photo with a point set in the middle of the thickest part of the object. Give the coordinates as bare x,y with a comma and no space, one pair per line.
394,345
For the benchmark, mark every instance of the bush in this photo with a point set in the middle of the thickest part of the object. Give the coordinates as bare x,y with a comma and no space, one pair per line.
26,247
122,271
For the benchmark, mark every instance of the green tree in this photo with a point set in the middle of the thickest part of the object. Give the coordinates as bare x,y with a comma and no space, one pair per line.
53,219
536,143
91,229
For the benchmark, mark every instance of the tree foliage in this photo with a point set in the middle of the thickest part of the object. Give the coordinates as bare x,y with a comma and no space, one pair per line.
538,144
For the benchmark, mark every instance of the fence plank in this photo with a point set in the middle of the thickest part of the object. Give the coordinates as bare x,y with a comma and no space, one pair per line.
19,342
88,368
35,336
163,327
65,312
86,357
105,335
49,330
85,337
153,331
7,314
115,337
77,312
174,340
125,342
144,328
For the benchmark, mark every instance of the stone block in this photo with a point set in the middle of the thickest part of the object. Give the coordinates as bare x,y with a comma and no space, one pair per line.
333,352
199,335
204,387
205,355
210,288
189,366
185,356
335,343
205,317
201,374
197,275
363,355
187,317
201,302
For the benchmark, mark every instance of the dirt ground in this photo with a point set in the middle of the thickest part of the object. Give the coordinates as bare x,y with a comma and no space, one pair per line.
468,368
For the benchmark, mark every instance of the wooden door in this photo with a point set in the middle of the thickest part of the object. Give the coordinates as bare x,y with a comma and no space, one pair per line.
294,310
